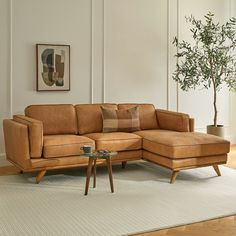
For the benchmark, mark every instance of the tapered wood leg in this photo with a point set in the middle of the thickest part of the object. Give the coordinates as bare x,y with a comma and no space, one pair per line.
217,170
40,176
123,164
94,172
109,168
89,170
174,176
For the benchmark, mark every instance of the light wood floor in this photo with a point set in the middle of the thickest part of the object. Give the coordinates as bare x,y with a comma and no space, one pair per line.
219,227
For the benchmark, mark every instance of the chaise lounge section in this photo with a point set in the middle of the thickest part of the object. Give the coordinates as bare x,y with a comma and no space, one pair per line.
50,137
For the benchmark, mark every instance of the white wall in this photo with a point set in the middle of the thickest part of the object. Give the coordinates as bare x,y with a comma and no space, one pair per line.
4,67
232,110
121,51
62,22
136,51
201,101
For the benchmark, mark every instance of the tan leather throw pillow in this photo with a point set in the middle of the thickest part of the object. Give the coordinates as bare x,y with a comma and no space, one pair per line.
120,120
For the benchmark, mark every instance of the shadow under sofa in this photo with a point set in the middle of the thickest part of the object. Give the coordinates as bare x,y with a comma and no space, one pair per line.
50,137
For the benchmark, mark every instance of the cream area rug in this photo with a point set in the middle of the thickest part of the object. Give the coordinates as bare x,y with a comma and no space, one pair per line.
143,201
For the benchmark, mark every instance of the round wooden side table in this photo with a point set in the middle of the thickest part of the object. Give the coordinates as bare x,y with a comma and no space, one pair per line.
92,160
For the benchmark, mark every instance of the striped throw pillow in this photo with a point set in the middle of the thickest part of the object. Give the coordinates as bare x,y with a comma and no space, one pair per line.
120,120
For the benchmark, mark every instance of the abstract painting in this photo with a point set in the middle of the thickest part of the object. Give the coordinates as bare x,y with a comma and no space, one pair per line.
53,67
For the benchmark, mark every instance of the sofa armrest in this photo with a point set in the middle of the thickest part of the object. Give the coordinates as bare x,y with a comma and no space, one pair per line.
175,121
16,143
191,124
35,128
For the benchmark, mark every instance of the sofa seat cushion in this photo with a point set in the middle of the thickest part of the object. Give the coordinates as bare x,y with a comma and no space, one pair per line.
174,144
64,145
116,141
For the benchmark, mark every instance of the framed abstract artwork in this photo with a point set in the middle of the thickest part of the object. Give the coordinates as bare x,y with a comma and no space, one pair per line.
53,67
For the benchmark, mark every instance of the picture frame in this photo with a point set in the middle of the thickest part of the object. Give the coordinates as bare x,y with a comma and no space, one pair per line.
53,67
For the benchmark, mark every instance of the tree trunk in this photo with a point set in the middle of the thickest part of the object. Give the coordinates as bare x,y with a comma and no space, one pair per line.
215,108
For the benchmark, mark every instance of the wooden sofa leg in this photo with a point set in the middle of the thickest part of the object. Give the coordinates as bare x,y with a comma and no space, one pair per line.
40,176
217,170
174,176
123,164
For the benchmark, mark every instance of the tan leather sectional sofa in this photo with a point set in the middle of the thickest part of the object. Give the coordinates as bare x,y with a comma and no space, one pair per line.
50,137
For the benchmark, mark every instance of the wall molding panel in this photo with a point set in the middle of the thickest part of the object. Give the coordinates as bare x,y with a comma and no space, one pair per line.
5,67
168,55
91,52
172,32
104,53
11,63
178,26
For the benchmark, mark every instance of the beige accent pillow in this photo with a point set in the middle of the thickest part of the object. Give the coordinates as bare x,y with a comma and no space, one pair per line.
120,120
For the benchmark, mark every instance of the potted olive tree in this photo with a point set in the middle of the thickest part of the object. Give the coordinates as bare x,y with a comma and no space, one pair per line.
209,60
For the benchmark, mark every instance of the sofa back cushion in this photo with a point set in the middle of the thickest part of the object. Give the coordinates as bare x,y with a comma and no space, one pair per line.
57,119
147,114
90,117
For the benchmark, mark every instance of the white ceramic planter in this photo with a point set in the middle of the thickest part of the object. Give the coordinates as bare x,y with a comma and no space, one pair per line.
216,130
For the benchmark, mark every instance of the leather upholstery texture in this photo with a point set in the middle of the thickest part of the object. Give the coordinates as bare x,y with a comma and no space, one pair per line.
116,141
16,142
64,145
73,161
89,117
191,124
170,120
35,128
182,144
184,163
57,119
50,137
147,114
